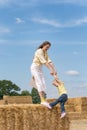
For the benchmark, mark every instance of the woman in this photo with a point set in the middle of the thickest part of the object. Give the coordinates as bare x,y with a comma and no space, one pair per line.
41,58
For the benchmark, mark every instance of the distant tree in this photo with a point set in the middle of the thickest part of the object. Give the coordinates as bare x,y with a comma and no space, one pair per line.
35,96
25,93
8,88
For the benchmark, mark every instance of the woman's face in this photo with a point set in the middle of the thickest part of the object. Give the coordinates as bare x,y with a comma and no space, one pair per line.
46,47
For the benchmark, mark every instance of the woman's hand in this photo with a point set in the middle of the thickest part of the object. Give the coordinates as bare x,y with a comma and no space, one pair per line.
57,79
57,83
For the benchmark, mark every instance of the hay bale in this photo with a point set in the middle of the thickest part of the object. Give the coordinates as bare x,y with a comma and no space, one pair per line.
30,117
17,99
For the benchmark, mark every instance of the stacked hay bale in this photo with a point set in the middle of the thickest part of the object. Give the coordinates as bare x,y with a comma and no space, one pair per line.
17,99
31,117
38,117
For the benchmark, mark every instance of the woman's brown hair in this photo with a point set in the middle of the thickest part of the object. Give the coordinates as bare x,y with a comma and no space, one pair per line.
44,44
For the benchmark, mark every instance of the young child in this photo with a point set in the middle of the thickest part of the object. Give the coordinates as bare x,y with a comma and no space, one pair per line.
62,96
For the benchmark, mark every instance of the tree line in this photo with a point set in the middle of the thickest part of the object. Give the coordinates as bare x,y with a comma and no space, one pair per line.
9,88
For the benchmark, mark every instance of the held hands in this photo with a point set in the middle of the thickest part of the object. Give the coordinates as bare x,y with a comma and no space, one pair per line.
57,80
54,74
56,83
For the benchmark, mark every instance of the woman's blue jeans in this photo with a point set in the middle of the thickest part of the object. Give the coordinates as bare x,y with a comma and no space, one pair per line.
62,99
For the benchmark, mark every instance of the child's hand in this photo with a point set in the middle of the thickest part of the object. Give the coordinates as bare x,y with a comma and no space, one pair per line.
57,82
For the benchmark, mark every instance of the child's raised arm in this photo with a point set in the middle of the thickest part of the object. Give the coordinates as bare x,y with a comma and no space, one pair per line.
56,80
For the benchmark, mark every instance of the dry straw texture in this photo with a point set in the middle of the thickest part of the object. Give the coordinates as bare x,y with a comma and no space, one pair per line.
38,117
31,117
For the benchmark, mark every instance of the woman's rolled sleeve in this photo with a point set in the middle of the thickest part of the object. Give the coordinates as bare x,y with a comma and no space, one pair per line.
41,57
48,59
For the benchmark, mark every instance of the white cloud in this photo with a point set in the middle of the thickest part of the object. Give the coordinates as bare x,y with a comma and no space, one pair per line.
75,53
19,2
77,2
55,23
2,41
72,73
19,20
39,2
47,21
4,2
83,85
20,42
4,30
73,43
80,21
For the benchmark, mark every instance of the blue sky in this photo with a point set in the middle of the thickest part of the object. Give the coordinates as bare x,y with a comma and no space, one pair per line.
25,24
